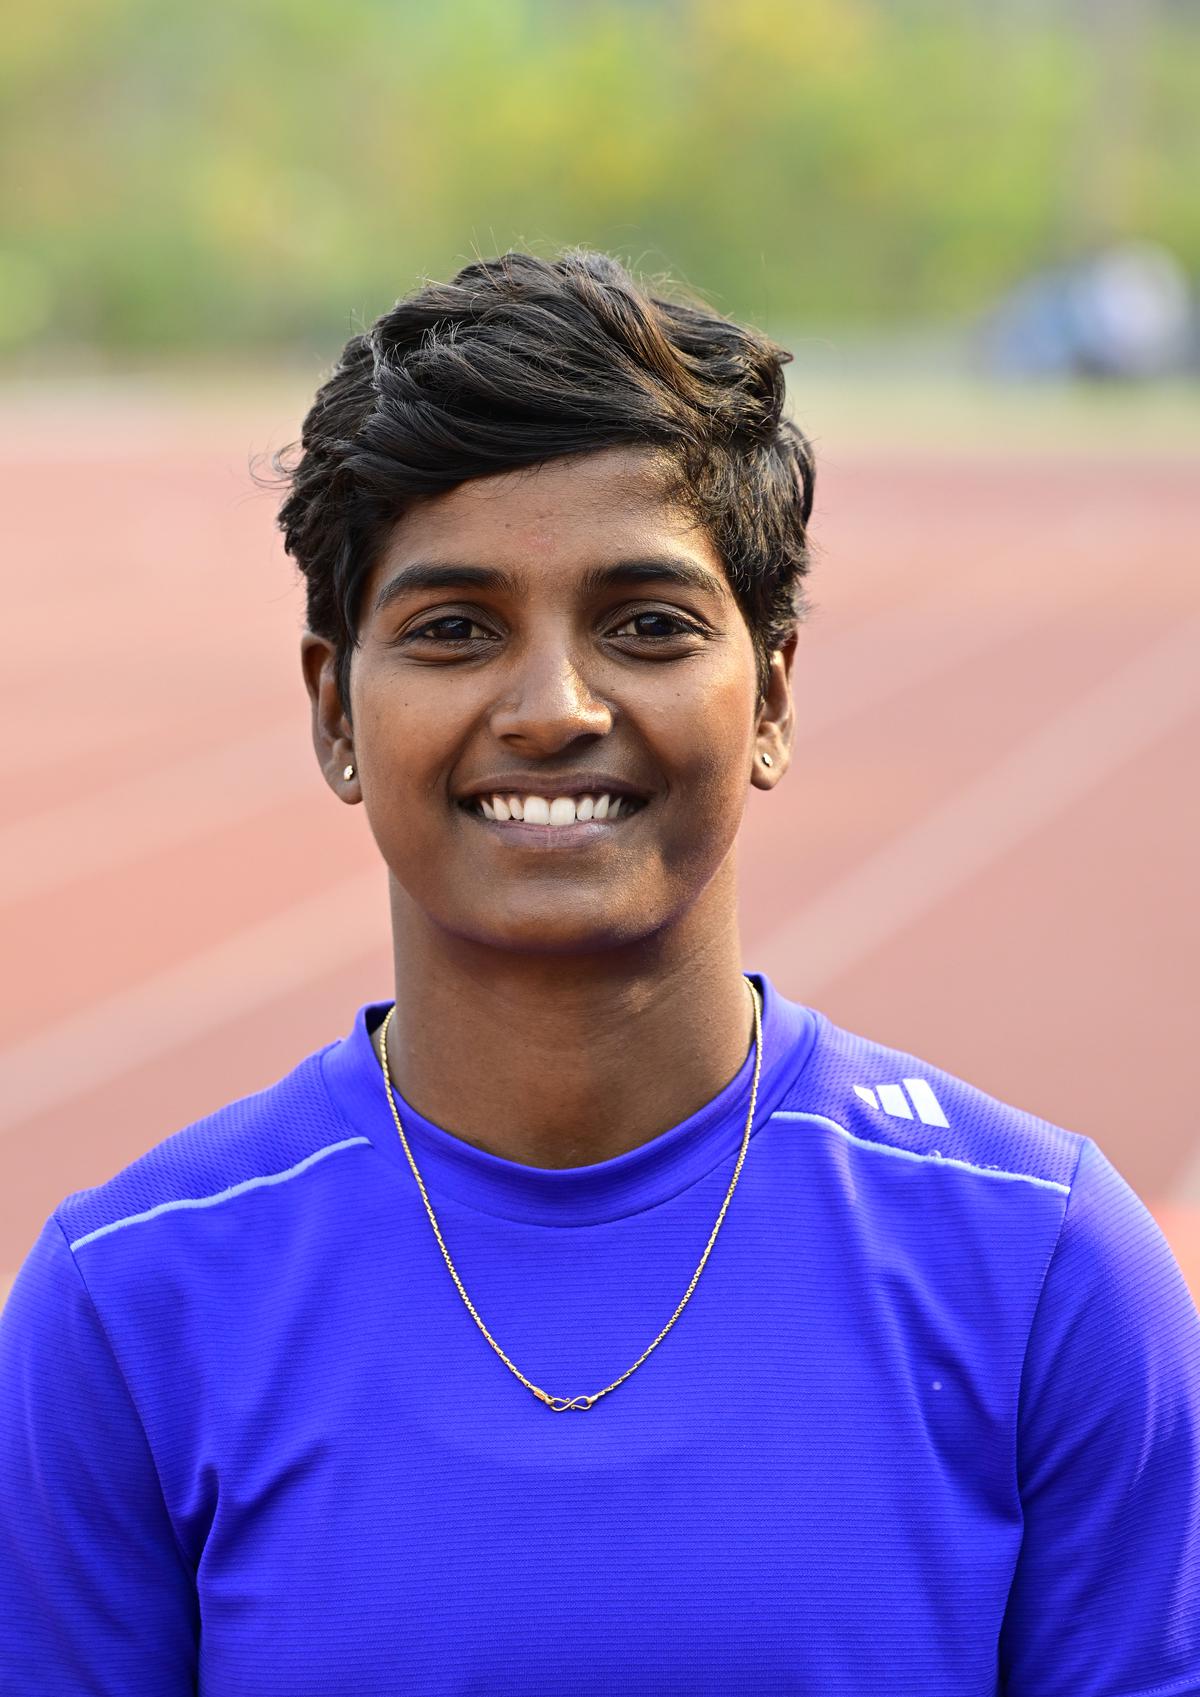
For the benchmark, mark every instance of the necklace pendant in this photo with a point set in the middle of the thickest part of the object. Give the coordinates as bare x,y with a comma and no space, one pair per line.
560,1403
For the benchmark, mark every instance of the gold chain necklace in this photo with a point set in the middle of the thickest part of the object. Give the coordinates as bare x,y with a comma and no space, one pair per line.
560,1403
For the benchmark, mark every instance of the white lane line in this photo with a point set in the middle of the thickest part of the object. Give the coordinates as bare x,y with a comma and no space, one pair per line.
155,811
899,648
860,668
1186,1189
911,875
246,972
65,736
113,423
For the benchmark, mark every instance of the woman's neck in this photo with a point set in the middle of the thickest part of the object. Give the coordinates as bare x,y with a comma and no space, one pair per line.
557,1061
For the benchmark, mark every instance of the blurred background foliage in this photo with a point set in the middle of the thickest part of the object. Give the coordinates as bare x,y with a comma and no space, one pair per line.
258,177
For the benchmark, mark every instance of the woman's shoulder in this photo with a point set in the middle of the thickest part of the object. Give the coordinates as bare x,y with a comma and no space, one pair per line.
896,1101
262,1138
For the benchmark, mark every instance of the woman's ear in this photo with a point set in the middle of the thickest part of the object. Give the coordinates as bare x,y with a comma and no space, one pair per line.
776,720
333,739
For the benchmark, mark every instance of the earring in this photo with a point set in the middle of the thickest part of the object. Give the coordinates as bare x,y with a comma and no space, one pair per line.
766,760
348,772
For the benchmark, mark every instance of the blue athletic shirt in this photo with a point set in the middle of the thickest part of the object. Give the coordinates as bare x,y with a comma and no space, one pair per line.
929,1424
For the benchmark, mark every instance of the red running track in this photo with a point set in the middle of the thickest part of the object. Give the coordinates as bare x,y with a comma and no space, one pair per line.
985,852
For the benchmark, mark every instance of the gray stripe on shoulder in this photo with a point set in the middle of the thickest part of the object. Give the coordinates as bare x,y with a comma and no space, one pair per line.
221,1195
932,1160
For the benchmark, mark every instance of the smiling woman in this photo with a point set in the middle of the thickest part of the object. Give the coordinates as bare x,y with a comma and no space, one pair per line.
601,654
589,1317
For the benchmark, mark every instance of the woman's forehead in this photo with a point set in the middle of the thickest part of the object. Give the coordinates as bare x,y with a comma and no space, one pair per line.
556,517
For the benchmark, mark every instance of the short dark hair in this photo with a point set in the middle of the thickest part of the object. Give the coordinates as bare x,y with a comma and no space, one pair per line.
520,360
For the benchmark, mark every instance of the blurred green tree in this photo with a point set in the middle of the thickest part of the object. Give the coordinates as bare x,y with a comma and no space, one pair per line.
262,175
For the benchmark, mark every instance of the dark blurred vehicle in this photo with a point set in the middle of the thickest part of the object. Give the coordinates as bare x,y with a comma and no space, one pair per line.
1125,313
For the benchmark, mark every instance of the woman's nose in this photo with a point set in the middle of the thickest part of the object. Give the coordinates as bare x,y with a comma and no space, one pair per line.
548,705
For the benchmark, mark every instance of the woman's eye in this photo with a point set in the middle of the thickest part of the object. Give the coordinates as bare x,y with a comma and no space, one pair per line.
655,625
454,627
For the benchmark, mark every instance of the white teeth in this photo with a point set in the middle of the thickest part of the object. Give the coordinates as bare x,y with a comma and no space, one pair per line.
557,810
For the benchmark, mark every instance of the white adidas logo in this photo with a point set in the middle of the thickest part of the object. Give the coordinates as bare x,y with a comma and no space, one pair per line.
891,1098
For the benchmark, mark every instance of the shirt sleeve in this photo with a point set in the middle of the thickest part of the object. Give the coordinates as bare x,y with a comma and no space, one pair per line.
96,1596
1105,1601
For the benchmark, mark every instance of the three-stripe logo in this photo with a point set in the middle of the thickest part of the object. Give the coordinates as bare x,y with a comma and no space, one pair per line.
892,1100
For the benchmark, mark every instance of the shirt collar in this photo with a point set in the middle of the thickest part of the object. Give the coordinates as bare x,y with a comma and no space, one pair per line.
641,1178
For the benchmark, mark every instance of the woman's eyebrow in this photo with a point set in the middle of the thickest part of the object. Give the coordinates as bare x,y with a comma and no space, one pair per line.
657,568
451,575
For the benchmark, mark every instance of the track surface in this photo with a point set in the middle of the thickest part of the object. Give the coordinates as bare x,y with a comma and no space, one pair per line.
985,852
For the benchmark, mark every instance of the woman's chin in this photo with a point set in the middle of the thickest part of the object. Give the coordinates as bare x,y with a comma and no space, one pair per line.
563,932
